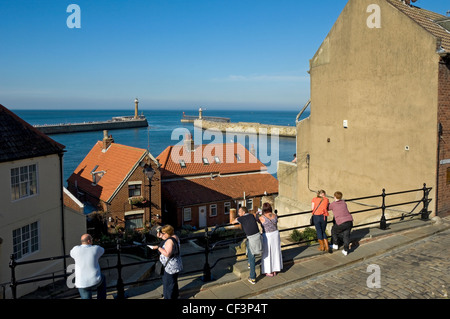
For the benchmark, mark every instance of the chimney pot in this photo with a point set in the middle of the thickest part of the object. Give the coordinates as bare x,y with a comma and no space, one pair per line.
107,141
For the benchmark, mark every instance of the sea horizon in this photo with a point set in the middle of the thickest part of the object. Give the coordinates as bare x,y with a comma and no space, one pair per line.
165,129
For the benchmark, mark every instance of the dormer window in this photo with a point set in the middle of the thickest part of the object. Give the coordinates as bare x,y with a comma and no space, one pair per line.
205,161
96,175
217,159
182,164
238,157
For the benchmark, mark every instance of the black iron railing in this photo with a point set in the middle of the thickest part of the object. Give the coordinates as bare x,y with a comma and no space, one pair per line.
211,246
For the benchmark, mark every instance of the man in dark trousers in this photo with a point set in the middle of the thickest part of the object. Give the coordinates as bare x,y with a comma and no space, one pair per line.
254,244
344,222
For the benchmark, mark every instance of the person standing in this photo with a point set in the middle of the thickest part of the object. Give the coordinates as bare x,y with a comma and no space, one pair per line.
254,244
343,223
271,260
170,257
319,208
88,276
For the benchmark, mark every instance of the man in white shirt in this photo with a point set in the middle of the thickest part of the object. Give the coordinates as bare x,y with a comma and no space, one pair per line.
88,276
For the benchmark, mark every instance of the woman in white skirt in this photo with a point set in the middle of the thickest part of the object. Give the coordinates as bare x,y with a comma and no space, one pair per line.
271,260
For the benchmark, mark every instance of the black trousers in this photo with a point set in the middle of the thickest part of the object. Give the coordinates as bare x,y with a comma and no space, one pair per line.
343,230
170,286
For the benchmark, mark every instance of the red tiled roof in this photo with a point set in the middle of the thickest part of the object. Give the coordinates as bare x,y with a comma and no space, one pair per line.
171,156
187,192
426,19
198,183
117,162
20,140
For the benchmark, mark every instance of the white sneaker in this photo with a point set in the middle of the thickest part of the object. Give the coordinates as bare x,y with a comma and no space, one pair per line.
335,247
344,252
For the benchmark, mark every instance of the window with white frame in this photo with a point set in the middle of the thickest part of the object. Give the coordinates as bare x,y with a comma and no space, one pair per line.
213,210
187,214
227,207
23,181
249,204
134,189
134,221
25,240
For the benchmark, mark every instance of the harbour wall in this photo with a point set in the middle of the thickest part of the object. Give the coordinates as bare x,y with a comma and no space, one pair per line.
247,128
91,126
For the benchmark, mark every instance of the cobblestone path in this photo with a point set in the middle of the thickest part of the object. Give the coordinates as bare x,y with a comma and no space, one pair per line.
417,271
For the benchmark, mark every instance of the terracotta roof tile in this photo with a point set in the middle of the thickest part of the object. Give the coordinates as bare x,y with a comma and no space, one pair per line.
117,162
194,165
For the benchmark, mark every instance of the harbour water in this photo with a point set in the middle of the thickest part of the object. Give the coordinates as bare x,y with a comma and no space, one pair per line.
165,129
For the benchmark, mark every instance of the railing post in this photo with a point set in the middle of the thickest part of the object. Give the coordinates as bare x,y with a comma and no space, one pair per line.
206,268
13,283
120,285
383,209
424,214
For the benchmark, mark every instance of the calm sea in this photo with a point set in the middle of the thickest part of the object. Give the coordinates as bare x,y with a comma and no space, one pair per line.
164,130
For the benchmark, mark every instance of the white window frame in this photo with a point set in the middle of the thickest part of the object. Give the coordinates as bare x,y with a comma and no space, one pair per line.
26,240
187,214
24,182
225,206
249,203
135,186
211,208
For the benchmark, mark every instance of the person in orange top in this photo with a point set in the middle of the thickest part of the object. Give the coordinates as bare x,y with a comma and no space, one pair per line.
319,208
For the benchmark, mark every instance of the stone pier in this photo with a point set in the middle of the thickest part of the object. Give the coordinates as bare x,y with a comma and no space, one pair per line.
247,128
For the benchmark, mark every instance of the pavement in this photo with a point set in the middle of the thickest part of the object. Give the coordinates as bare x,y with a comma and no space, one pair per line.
301,263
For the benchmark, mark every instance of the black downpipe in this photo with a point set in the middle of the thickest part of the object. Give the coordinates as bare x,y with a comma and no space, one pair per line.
63,235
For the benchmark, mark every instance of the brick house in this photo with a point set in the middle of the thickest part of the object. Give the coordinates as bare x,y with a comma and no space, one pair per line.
113,179
200,184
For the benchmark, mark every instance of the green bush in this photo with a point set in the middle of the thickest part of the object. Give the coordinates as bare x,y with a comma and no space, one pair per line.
296,235
309,234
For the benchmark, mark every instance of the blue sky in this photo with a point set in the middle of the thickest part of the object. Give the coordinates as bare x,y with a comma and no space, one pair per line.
180,54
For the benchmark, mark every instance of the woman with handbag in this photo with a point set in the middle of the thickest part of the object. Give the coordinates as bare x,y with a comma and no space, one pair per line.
170,258
319,208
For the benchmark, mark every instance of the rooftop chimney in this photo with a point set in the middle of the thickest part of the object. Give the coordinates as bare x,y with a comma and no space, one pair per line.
408,2
189,143
107,141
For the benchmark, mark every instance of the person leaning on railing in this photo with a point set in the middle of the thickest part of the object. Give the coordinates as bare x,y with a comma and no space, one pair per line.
343,223
319,207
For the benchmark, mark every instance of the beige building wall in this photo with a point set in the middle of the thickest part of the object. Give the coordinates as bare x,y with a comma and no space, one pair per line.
44,208
383,82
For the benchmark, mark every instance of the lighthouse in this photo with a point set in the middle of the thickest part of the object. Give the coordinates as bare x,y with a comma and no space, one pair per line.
136,102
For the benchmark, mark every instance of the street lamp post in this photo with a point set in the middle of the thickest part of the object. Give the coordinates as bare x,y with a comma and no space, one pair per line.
149,172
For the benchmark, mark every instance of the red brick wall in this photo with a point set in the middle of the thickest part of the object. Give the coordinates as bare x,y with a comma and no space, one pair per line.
120,204
444,153
220,219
